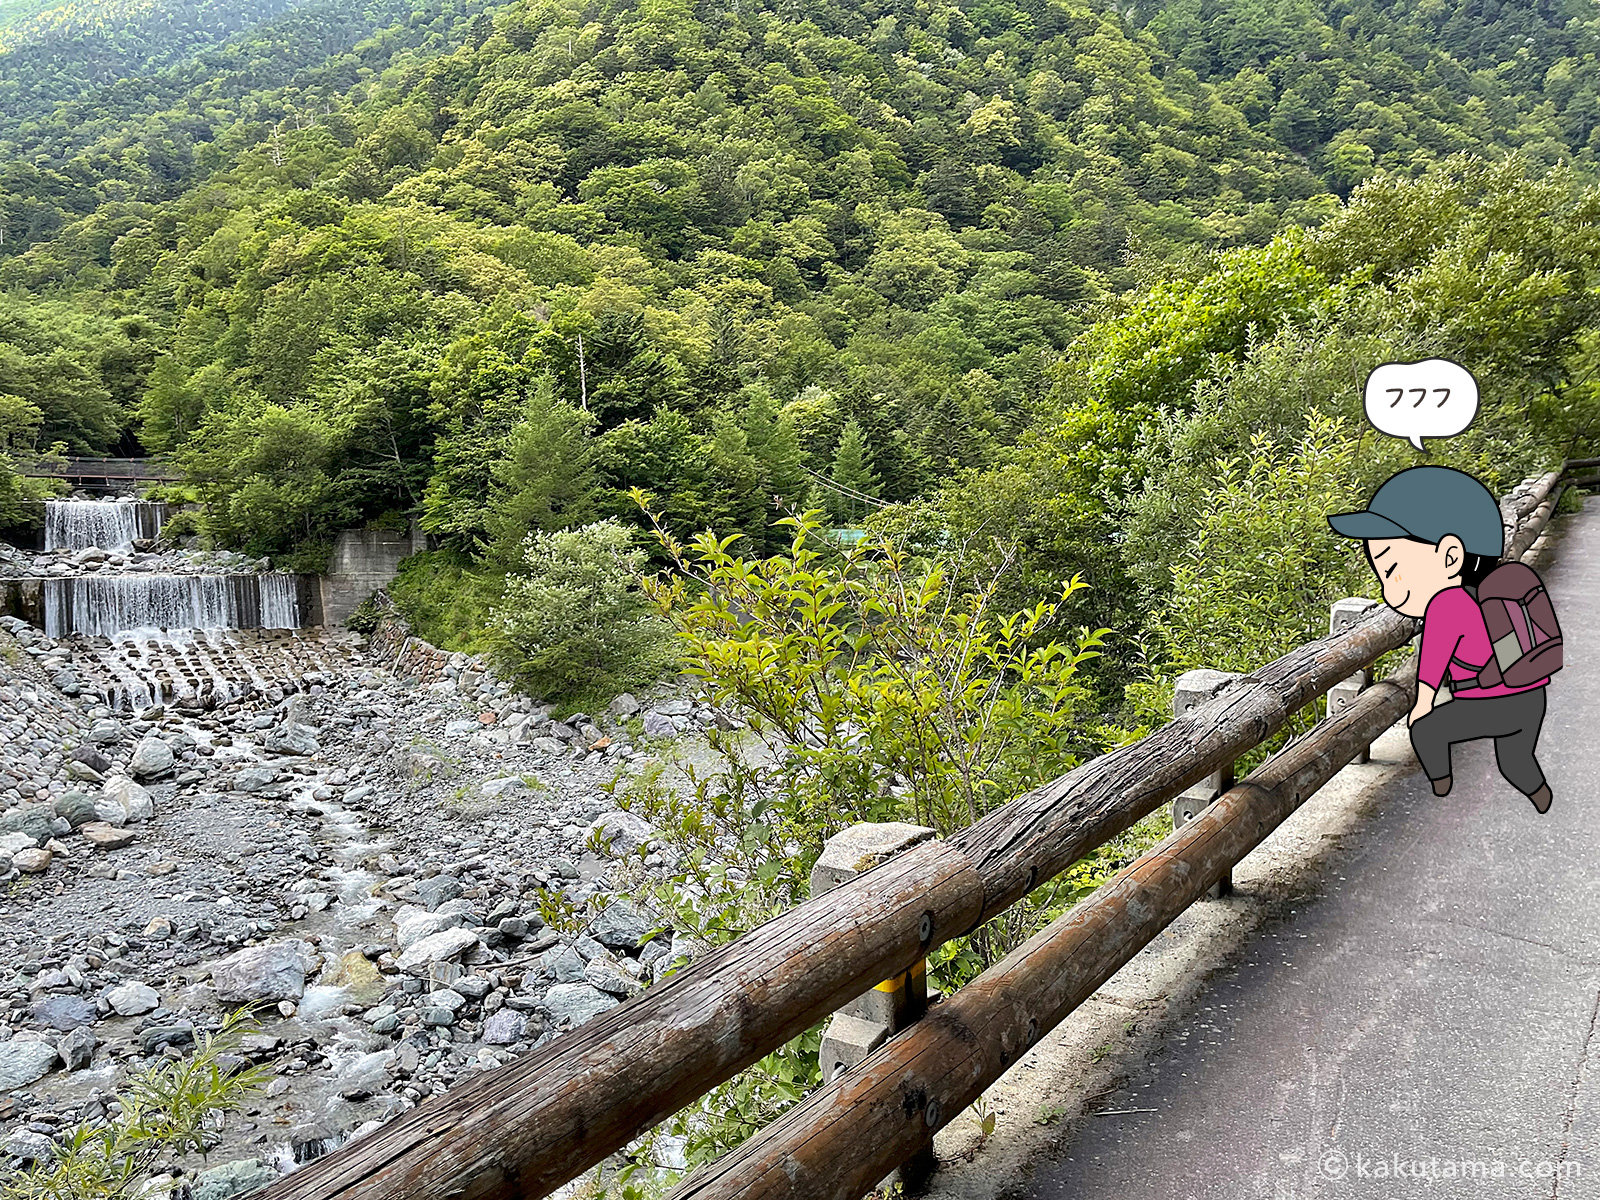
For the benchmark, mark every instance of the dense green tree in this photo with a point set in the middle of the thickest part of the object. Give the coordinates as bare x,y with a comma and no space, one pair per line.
855,482
547,479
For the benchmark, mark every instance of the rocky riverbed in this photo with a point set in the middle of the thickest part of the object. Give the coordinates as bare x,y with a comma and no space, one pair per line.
148,557
411,875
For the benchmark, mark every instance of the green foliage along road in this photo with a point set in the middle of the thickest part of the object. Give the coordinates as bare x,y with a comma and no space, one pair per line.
1019,269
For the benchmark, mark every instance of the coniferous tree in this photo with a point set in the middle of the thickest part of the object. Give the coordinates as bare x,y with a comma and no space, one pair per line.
547,481
853,473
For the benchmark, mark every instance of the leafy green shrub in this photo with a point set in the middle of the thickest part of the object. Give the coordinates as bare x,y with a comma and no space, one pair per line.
166,1110
873,691
365,617
446,599
180,525
576,621
309,558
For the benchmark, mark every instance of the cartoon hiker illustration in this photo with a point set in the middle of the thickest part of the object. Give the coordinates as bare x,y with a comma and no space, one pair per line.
1490,640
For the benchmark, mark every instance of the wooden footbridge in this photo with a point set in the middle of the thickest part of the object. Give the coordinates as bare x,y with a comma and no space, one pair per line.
102,474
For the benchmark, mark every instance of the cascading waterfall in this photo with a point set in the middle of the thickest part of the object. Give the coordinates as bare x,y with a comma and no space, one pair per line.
110,604
108,524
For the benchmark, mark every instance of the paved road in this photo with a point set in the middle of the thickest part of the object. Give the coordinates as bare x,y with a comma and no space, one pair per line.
1426,1026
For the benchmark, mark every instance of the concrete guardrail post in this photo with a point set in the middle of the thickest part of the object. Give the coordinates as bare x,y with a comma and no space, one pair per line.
1344,614
861,1026
1193,689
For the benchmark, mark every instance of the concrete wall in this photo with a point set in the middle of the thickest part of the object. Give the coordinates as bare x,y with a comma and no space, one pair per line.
364,560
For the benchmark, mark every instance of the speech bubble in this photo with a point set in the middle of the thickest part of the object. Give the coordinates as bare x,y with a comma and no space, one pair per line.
1433,398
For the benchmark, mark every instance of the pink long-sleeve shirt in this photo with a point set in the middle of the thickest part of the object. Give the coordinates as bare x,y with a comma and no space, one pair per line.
1453,628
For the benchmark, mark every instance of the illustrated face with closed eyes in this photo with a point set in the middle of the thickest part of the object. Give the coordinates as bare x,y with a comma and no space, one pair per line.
1413,572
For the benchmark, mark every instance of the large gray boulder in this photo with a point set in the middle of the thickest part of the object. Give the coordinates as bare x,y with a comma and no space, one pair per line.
293,740
253,779
658,725
31,819
412,924
22,1063
77,1049
436,890
622,832
133,999
505,1027
29,1145
63,1013
231,1179
76,808
276,971
563,964
623,925
439,947
133,800
575,1003
151,757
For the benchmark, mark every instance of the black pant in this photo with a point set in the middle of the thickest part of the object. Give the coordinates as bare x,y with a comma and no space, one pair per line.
1512,721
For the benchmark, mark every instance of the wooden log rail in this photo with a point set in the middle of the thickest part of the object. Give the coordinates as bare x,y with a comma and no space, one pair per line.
544,1119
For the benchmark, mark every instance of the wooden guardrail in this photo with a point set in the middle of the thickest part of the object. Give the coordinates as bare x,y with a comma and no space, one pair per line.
544,1119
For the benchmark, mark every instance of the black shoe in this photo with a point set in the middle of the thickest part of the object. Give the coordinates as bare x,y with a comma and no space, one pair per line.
1541,799
1441,787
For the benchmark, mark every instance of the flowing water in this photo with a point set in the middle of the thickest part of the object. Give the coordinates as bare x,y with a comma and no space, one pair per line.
113,604
108,524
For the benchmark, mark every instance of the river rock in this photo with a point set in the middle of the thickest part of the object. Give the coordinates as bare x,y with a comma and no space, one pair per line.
104,836
505,1027
31,819
576,1003
276,971
622,832
29,1145
75,808
31,862
63,1013
353,971
439,947
103,731
253,779
134,801
433,892
133,999
608,977
179,1035
292,741
13,843
151,757
366,1075
412,924
231,1179
91,758
563,964
674,708
623,925
77,1048
624,706
658,725
22,1063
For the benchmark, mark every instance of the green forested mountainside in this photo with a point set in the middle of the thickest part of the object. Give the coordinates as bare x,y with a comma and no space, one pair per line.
15,11
64,52
1360,85
1001,264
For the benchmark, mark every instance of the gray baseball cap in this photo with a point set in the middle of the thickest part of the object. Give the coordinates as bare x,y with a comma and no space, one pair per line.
1429,503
